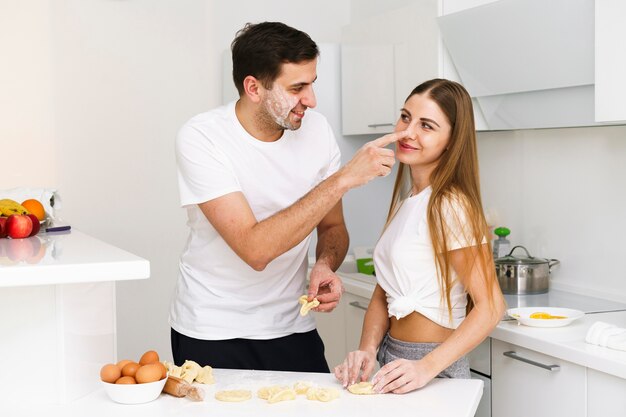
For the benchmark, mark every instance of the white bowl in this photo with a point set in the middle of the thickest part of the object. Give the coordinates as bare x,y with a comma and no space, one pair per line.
522,315
134,393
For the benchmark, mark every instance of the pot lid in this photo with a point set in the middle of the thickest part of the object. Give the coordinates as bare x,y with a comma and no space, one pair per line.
520,259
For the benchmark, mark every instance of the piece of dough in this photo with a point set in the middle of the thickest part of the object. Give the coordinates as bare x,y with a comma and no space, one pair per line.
265,393
322,394
306,305
233,395
301,387
173,370
362,388
285,394
190,371
205,375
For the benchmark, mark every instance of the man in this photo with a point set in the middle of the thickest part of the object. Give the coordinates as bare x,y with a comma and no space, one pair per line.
257,176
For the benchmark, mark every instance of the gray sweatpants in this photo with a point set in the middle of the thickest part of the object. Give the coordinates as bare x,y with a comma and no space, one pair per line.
391,349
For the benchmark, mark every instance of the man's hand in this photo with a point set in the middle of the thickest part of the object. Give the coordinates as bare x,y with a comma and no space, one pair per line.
326,286
371,161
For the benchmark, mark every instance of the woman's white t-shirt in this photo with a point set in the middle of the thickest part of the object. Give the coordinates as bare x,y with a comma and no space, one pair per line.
218,296
404,261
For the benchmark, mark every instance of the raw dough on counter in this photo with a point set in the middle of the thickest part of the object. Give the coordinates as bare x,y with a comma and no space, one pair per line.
301,387
362,388
306,305
285,394
322,394
233,395
265,393
191,372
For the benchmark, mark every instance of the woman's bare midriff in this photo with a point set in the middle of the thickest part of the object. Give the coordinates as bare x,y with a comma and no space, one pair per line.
416,328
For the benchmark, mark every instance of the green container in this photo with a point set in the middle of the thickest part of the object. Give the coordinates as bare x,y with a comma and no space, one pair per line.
365,266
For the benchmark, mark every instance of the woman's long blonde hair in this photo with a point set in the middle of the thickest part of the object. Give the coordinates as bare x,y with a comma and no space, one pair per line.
455,179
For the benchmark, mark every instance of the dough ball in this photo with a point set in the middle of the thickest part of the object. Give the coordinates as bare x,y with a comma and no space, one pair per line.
306,305
362,388
322,394
286,394
265,393
233,395
301,387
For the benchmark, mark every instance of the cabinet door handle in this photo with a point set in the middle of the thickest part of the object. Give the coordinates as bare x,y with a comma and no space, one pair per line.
513,355
358,305
380,124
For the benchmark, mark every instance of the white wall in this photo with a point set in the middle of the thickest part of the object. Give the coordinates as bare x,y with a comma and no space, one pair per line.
27,151
92,95
562,192
97,91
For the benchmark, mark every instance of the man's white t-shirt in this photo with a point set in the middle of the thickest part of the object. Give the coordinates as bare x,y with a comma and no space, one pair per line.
218,296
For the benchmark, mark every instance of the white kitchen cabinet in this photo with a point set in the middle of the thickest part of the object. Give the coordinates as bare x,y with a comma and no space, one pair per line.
480,357
341,329
383,58
527,383
367,83
605,395
610,60
57,300
355,313
332,329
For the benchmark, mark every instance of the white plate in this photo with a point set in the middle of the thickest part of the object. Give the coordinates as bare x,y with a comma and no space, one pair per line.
522,315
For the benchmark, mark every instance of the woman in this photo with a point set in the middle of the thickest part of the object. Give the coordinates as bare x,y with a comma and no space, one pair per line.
432,255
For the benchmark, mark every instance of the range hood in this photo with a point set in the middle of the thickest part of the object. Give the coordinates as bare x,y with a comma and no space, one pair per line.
527,63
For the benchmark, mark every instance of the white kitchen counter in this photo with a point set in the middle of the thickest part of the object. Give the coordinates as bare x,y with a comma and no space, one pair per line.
57,303
567,343
66,257
440,398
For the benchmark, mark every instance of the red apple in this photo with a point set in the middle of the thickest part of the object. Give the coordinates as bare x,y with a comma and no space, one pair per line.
36,224
3,232
19,226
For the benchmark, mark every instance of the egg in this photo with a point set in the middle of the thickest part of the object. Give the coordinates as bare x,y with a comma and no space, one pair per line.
149,373
109,373
121,364
130,369
163,370
149,357
126,380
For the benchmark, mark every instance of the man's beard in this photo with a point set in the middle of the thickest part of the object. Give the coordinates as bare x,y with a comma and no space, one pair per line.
276,109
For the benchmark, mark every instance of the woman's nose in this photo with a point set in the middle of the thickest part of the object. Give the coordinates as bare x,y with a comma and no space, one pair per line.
412,131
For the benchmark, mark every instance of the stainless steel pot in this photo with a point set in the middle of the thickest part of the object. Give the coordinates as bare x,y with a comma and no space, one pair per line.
524,274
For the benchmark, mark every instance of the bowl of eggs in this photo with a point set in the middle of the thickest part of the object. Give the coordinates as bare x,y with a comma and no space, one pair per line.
129,382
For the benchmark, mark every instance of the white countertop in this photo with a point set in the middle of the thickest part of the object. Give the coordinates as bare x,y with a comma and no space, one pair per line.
434,400
66,257
567,343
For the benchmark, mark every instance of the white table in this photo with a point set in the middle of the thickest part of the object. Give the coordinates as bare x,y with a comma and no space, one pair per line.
440,398
57,309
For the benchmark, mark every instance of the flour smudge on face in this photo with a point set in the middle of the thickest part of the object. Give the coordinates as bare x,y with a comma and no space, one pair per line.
279,105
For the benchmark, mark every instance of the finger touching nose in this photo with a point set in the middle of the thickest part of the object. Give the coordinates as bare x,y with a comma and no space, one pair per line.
390,138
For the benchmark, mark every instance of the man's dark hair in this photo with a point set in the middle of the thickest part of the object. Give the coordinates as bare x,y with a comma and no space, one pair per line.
260,49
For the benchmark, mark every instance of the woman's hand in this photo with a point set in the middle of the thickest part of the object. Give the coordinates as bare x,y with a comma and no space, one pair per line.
358,361
402,376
